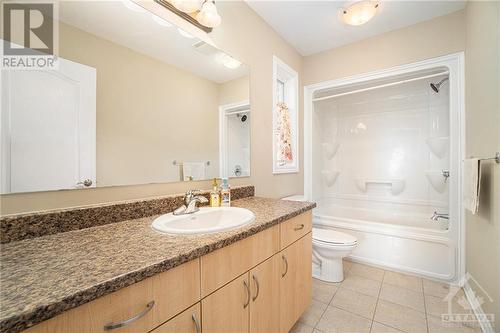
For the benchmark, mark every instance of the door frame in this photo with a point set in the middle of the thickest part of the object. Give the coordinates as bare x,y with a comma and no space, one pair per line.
223,111
454,63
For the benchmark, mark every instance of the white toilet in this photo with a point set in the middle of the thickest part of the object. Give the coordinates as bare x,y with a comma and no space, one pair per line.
329,247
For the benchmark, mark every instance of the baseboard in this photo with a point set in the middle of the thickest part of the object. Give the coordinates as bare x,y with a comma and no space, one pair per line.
486,326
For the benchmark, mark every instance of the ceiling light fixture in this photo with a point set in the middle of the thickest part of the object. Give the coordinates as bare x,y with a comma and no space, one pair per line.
208,15
200,13
359,13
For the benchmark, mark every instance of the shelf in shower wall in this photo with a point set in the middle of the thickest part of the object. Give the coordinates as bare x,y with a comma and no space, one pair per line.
396,185
330,177
330,149
437,180
439,145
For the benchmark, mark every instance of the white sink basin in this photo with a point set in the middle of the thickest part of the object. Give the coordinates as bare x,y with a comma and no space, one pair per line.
206,220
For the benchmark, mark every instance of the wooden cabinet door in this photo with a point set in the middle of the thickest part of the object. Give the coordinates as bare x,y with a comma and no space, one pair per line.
296,281
265,287
227,309
185,322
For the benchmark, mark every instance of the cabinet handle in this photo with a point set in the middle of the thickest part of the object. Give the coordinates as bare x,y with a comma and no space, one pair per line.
248,294
196,323
112,326
300,227
286,265
258,287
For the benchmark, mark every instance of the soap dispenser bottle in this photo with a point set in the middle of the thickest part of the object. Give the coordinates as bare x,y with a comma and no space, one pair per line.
214,194
225,193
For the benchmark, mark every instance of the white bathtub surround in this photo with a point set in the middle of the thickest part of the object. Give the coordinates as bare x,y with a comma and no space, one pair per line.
439,145
437,180
329,177
399,155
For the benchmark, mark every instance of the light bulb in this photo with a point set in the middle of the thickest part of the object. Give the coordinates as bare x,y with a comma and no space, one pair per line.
208,15
359,13
187,6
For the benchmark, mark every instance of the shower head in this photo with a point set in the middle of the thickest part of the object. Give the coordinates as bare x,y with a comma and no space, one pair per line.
243,118
436,86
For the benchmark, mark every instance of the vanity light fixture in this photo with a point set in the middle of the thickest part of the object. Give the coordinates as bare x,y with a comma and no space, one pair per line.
359,13
201,13
187,6
208,15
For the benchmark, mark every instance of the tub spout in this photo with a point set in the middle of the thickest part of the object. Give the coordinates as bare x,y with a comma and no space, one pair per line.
436,216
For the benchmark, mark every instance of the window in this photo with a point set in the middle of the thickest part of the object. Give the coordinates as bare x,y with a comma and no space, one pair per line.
285,118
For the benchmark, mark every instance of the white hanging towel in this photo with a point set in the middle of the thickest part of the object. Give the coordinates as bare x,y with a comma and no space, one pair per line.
472,184
193,171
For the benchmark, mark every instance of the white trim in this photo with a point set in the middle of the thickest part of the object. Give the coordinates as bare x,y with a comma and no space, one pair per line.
385,85
291,79
225,110
486,326
455,65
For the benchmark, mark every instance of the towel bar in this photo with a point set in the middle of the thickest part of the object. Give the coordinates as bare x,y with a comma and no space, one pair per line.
496,158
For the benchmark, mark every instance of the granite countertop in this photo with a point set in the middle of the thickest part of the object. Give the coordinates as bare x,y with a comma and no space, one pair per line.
44,276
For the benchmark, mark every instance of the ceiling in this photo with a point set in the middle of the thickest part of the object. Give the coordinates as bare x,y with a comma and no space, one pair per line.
137,30
314,26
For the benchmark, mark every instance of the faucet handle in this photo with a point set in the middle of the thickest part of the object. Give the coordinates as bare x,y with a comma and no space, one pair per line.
189,195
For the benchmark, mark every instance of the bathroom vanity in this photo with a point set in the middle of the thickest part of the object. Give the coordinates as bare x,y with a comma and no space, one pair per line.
126,277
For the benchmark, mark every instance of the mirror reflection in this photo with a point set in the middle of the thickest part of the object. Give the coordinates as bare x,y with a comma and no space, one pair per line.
135,100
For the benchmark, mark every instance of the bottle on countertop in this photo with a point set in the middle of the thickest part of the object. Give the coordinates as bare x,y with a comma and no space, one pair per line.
225,193
214,194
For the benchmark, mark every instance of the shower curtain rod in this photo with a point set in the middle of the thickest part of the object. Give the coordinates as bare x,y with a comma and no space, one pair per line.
379,86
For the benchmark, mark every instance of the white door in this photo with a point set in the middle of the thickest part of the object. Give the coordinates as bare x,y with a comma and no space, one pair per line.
48,128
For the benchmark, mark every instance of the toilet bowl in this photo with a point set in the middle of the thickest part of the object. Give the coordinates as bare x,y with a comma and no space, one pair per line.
329,247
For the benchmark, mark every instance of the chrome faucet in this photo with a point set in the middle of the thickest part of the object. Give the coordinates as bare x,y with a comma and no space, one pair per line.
190,200
436,216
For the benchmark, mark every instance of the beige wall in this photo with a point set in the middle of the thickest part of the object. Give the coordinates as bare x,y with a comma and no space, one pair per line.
482,70
234,91
248,38
429,39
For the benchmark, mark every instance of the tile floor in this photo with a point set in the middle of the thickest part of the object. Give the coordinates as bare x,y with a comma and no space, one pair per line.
379,301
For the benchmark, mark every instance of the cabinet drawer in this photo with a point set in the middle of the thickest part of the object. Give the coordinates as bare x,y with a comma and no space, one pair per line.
223,265
171,292
295,228
185,322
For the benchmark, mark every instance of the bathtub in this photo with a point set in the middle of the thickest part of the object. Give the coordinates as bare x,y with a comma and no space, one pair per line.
403,240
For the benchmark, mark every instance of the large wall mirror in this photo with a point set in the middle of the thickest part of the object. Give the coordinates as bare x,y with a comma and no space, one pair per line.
135,100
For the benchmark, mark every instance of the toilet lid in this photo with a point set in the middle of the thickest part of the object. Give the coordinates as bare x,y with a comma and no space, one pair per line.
332,236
